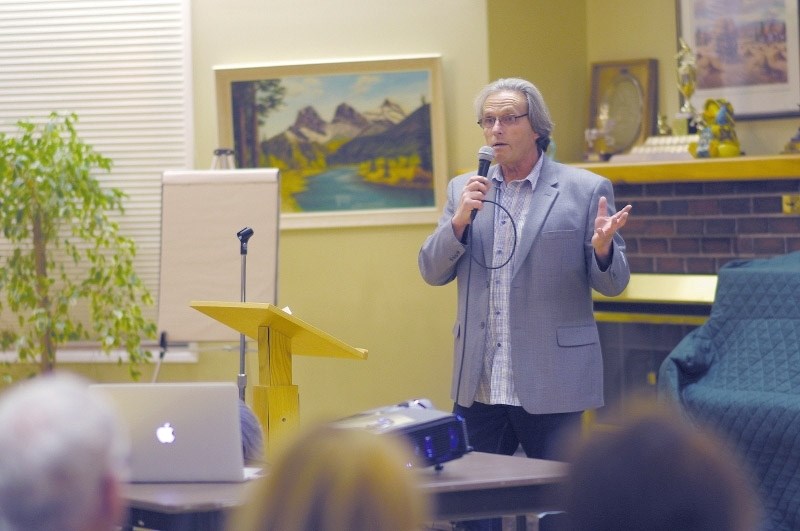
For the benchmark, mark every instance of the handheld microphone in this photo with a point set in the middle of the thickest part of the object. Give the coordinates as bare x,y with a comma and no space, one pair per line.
485,157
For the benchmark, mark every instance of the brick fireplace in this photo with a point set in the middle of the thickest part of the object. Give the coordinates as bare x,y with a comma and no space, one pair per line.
688,219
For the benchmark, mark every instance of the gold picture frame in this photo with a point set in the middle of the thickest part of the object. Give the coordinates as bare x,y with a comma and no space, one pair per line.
357,142
623,103
747,53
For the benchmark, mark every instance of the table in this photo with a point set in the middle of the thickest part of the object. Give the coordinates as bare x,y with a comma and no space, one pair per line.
476,485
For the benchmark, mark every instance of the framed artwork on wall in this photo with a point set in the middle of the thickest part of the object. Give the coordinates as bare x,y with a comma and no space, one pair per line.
357,142
746,53
623,104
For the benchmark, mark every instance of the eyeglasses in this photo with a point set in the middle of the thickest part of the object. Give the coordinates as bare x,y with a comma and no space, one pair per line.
488,122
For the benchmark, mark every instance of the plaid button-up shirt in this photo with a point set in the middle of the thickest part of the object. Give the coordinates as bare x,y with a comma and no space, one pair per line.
497,384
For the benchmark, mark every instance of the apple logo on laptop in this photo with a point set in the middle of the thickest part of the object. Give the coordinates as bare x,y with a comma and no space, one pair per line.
166,433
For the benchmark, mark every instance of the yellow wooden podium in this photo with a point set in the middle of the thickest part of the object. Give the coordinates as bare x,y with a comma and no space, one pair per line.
279,335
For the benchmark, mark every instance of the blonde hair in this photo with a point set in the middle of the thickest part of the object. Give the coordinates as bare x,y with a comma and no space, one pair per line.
336,479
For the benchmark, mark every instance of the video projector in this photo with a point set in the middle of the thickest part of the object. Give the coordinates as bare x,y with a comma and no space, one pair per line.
436,436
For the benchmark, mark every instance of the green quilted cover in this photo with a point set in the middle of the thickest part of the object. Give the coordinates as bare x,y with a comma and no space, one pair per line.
739,374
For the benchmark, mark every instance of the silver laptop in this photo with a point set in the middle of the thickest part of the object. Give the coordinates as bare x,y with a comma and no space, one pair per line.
181,432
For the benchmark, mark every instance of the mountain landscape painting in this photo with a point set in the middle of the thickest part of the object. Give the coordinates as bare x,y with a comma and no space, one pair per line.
343,141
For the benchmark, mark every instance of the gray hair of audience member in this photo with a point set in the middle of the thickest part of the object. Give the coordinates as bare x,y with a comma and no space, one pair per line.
656,471
252,435
63,456
538,113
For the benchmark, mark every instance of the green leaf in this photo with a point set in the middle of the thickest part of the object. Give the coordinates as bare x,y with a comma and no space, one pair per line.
53,209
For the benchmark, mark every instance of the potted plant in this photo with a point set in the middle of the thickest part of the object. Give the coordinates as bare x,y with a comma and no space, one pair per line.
68,274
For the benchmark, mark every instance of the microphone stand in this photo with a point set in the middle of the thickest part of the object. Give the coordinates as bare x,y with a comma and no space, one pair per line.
241,381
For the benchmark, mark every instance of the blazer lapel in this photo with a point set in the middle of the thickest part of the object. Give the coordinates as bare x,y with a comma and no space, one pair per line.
544,195
542,201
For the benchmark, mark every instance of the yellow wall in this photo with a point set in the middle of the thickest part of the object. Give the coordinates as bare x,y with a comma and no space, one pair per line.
362,284
359,284
545,42
554,43
630,29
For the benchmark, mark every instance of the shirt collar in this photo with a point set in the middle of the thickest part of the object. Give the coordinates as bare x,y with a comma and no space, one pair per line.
533,176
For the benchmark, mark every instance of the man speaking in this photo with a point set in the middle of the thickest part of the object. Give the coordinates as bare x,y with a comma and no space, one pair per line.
527,242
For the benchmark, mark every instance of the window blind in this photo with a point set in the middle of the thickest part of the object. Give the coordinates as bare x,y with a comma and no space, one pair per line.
124,67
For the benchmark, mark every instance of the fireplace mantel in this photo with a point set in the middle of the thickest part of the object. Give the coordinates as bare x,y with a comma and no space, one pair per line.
733,168
681,298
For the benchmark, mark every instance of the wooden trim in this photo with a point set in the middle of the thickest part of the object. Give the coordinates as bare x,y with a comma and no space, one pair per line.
714,169
666,288
664,292
650,318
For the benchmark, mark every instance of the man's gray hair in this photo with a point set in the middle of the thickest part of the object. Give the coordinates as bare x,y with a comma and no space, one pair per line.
538,113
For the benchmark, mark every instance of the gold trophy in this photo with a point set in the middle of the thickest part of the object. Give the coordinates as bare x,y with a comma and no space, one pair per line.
599,141
687,82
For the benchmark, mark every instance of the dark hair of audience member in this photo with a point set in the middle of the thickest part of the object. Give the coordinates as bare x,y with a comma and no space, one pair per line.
658,472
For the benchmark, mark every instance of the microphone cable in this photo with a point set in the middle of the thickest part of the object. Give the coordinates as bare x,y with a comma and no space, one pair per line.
469,277
162,343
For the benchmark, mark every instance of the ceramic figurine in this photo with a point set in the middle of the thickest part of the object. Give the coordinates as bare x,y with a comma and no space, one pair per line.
717,133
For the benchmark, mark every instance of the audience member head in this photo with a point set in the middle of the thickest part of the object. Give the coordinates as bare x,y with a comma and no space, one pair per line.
252,435
656,471
335,479
63,457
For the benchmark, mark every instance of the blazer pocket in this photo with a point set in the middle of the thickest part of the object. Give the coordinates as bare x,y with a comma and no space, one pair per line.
576,336
559,234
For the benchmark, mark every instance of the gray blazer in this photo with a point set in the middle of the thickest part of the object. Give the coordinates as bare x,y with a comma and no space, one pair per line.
555,346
